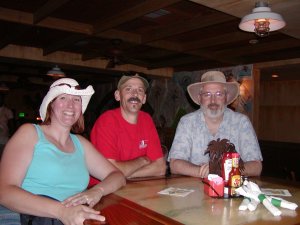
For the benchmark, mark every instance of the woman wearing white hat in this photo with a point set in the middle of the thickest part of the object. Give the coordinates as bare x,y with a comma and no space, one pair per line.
45,169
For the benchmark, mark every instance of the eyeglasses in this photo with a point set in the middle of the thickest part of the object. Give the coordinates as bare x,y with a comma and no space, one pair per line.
217,95
77,87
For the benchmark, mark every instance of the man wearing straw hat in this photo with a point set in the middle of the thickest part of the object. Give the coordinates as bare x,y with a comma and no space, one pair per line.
212,121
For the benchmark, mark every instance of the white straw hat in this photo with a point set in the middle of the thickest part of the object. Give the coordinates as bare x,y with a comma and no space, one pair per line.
66,86
217,77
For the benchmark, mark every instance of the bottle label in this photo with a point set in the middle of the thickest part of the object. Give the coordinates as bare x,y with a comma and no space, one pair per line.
226,192
236,181
227,168
235,162
234,184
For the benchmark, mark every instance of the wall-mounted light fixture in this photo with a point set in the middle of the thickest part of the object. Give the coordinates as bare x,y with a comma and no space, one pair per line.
262,20
3,87
56,72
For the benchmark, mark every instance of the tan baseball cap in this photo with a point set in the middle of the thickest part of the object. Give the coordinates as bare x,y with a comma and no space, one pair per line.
125,78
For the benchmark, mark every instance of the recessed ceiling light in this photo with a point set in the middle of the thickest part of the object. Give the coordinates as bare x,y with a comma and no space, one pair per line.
157,14
253,41
275,75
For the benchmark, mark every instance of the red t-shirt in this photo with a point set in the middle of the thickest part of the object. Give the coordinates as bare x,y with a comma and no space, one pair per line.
117,139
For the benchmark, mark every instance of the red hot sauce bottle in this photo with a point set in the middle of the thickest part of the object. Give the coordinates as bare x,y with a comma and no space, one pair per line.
234,180
226,168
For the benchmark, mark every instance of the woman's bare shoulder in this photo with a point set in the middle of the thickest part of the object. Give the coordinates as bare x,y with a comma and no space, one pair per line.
87,145
26,131
26,127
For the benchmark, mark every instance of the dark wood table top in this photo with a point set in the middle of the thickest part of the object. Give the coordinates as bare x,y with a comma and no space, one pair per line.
120,211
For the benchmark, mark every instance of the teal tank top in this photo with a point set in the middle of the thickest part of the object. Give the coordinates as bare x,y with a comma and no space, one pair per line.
55,173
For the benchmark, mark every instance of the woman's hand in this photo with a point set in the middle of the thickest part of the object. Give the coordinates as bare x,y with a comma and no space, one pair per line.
89,197
78,214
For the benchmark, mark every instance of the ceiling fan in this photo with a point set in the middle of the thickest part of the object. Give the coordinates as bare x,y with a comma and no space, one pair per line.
114,54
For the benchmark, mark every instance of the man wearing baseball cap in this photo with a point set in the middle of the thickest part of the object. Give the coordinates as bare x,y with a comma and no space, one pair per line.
211,122
127,136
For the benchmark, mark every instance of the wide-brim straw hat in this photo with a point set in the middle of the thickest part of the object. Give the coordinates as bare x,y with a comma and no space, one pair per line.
66,86
125,78
214,77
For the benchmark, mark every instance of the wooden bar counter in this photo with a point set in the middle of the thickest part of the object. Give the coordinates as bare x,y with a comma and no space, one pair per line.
140,203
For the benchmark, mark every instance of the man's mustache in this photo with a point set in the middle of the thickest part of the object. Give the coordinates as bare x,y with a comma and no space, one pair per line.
213,105
134,99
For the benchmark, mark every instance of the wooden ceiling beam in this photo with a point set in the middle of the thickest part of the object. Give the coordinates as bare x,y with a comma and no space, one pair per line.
167,45
140,63
136,39
90,55
277,63
213,56
70,26
217,40
62,43
180,27
259,48
235,56
50,22
131,13
177,62
16,52
16,16
47,9
11,35
124,36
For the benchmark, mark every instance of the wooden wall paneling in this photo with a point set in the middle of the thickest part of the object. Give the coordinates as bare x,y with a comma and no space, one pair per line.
279,111
280,123
280,92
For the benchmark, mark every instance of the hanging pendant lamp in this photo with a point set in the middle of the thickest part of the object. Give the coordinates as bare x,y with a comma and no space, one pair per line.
262,20
56,72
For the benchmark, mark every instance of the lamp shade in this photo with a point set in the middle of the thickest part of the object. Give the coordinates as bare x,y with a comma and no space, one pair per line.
262,12
56,72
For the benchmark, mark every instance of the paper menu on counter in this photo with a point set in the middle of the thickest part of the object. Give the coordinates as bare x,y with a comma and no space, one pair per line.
179,192
275,192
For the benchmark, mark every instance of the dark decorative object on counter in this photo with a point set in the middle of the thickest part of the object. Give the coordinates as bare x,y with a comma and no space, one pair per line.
216,149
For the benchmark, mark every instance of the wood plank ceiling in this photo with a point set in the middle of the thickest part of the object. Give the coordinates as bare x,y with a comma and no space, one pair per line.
96,38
